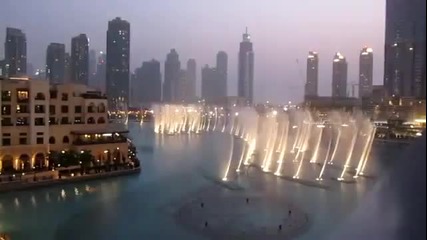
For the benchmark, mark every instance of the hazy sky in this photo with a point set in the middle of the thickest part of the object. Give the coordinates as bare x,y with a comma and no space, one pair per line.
282,31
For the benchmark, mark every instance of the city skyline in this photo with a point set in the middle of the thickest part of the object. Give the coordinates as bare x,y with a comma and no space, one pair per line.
278,80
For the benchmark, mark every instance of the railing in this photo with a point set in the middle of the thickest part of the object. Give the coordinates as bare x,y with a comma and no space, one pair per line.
88,142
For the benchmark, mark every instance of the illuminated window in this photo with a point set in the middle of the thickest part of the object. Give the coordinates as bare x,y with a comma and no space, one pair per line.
22,95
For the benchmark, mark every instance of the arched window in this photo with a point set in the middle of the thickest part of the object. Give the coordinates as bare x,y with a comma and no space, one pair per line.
51,140
91,108
91,120
101,108
65,139
101,120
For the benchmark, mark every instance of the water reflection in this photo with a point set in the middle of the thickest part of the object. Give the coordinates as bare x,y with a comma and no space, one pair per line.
171,170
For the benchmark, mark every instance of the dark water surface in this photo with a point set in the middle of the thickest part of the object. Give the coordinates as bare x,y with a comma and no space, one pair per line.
136,207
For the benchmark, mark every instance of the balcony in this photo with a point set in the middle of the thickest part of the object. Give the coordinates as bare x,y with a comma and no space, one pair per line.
93,139
93,95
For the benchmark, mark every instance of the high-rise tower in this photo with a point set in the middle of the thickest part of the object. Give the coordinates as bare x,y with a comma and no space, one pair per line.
117,69
172,76
55,63
366,67
405,42
222,71
15,52
80,59
311,85
246,69
339,76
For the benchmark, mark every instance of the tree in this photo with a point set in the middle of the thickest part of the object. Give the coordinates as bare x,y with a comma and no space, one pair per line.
85,159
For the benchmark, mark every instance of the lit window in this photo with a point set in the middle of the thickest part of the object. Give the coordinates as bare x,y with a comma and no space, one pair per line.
22,95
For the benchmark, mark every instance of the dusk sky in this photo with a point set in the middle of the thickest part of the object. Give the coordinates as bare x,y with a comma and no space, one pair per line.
282,32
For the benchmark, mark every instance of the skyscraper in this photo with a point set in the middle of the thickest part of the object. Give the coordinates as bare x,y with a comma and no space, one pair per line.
67,69
246,69
92,68
55,63
312,82
222,71
15,52
100,72
3,70
80,59
191,78
339,76
118,52
172,76
210,90
366,67
405,42
148,83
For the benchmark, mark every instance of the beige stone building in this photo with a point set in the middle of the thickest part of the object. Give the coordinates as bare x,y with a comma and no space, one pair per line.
37,118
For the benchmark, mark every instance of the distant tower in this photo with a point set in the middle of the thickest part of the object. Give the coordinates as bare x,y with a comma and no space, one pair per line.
15,53
366,66
191,78
55,63
339,76
101,71
222,69
246,69
117,69
80,59
311,85
210,84
148,85
172,77
92,68
405,49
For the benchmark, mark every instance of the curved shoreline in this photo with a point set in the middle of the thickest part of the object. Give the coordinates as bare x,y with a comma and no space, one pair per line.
20,186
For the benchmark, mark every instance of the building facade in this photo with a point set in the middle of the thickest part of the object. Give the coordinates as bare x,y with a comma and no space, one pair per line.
245,85
366,70
79,66
148,84
172,76
192,78
117,69
339,76
100,72
55,63
312,82
405,42
15,52
38,119
210,84
222,70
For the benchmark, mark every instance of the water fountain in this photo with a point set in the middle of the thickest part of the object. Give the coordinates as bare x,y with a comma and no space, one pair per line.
297,142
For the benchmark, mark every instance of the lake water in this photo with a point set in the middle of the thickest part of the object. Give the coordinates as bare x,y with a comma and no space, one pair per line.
135,207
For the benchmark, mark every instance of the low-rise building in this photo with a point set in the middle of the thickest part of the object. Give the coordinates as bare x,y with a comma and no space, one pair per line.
38,119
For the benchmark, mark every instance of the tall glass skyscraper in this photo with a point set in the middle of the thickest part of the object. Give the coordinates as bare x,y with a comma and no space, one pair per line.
339,76
405,42
172,77
118,52
311,85
15,52
191,78
366,67
55,63
80,59
245,85
222,71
